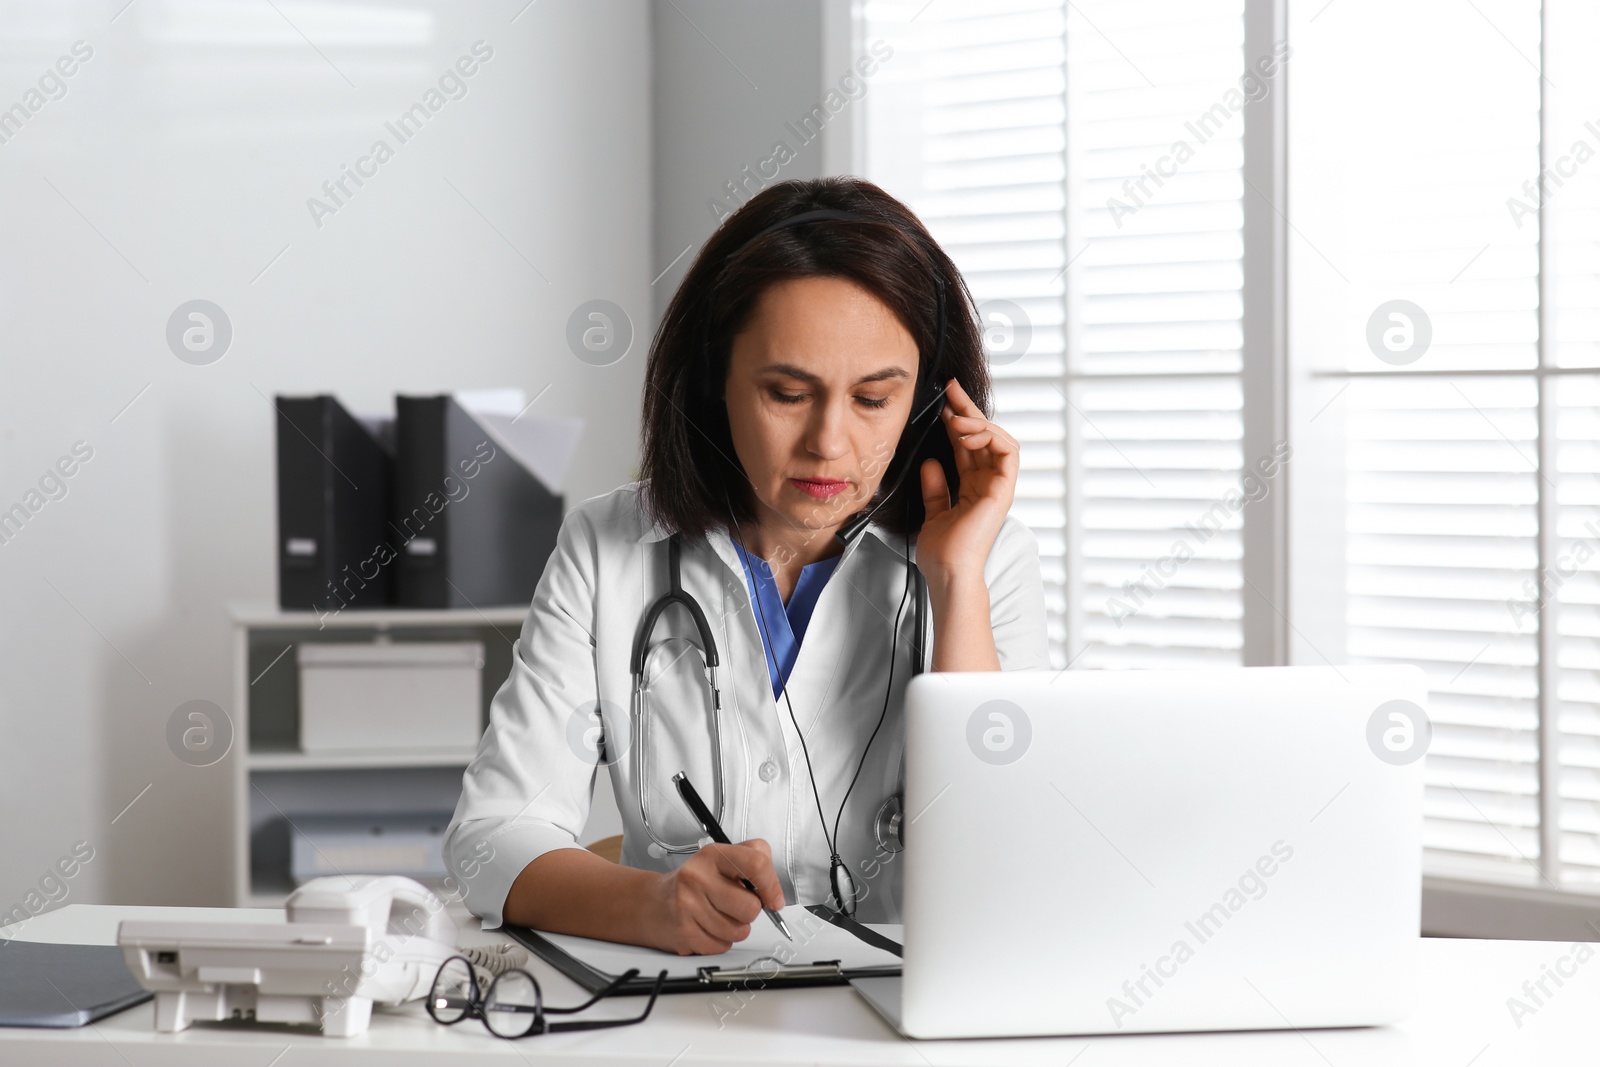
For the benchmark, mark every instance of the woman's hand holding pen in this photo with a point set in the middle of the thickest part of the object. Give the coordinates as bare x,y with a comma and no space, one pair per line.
955,539
701,909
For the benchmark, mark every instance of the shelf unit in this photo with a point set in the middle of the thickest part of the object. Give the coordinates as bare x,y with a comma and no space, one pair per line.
274,781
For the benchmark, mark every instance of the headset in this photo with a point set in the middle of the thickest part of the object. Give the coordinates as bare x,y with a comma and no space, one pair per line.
928,401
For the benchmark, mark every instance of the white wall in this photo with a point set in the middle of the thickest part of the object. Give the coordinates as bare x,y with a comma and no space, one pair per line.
729,75
177,166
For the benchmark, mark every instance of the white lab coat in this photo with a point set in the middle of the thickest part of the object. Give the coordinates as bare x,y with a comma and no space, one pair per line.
528,790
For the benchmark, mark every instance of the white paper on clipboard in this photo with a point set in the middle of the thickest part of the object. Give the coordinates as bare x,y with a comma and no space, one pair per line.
815,939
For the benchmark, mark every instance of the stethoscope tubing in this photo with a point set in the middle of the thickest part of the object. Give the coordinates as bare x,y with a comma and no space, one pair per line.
642,724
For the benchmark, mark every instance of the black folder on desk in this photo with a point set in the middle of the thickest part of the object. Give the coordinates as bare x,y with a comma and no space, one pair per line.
684,975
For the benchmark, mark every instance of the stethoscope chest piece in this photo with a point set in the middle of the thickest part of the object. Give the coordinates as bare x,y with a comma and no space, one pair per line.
890,824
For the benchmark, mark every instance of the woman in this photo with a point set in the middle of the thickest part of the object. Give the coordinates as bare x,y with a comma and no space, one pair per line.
795,378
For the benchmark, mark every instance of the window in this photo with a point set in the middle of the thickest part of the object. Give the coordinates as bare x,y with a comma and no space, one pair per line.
1082,163
1089,163
1469,438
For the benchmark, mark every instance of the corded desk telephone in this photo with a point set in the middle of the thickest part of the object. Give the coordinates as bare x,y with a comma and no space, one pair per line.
348,942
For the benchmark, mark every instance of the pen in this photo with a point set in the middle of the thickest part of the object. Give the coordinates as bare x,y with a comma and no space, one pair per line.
708,823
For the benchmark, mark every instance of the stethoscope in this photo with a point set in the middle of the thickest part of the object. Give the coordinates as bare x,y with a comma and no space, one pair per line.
888,823
643,746
887,827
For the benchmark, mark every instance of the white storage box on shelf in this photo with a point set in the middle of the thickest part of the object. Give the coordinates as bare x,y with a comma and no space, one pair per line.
397,696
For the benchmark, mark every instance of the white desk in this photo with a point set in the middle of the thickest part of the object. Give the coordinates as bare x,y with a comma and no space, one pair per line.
1463,1019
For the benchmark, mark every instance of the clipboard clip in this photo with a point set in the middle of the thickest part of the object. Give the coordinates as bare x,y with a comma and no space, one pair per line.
760,971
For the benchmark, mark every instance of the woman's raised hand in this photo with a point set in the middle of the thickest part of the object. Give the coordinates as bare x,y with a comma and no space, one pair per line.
956,538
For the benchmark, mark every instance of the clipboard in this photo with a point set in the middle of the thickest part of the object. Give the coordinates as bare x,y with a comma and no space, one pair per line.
686,976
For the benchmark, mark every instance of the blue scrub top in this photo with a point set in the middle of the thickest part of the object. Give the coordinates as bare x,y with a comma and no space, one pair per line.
785,625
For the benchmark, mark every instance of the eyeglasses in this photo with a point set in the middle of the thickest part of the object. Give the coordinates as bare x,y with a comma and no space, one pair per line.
513,1005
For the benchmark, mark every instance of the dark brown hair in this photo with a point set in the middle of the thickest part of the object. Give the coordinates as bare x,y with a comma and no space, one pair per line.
690,471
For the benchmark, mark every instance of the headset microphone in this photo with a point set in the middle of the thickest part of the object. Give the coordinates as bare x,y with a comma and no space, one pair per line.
850,530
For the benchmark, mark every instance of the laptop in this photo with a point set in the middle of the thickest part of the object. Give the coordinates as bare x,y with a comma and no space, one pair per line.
1104,852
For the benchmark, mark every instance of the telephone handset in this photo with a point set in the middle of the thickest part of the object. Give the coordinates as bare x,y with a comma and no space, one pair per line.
348,942
410,932
389,902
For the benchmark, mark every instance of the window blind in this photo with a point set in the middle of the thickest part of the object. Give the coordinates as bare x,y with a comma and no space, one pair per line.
1472,513
1034,138
966,124
1572,208
1441,534
1442,513
1039,141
